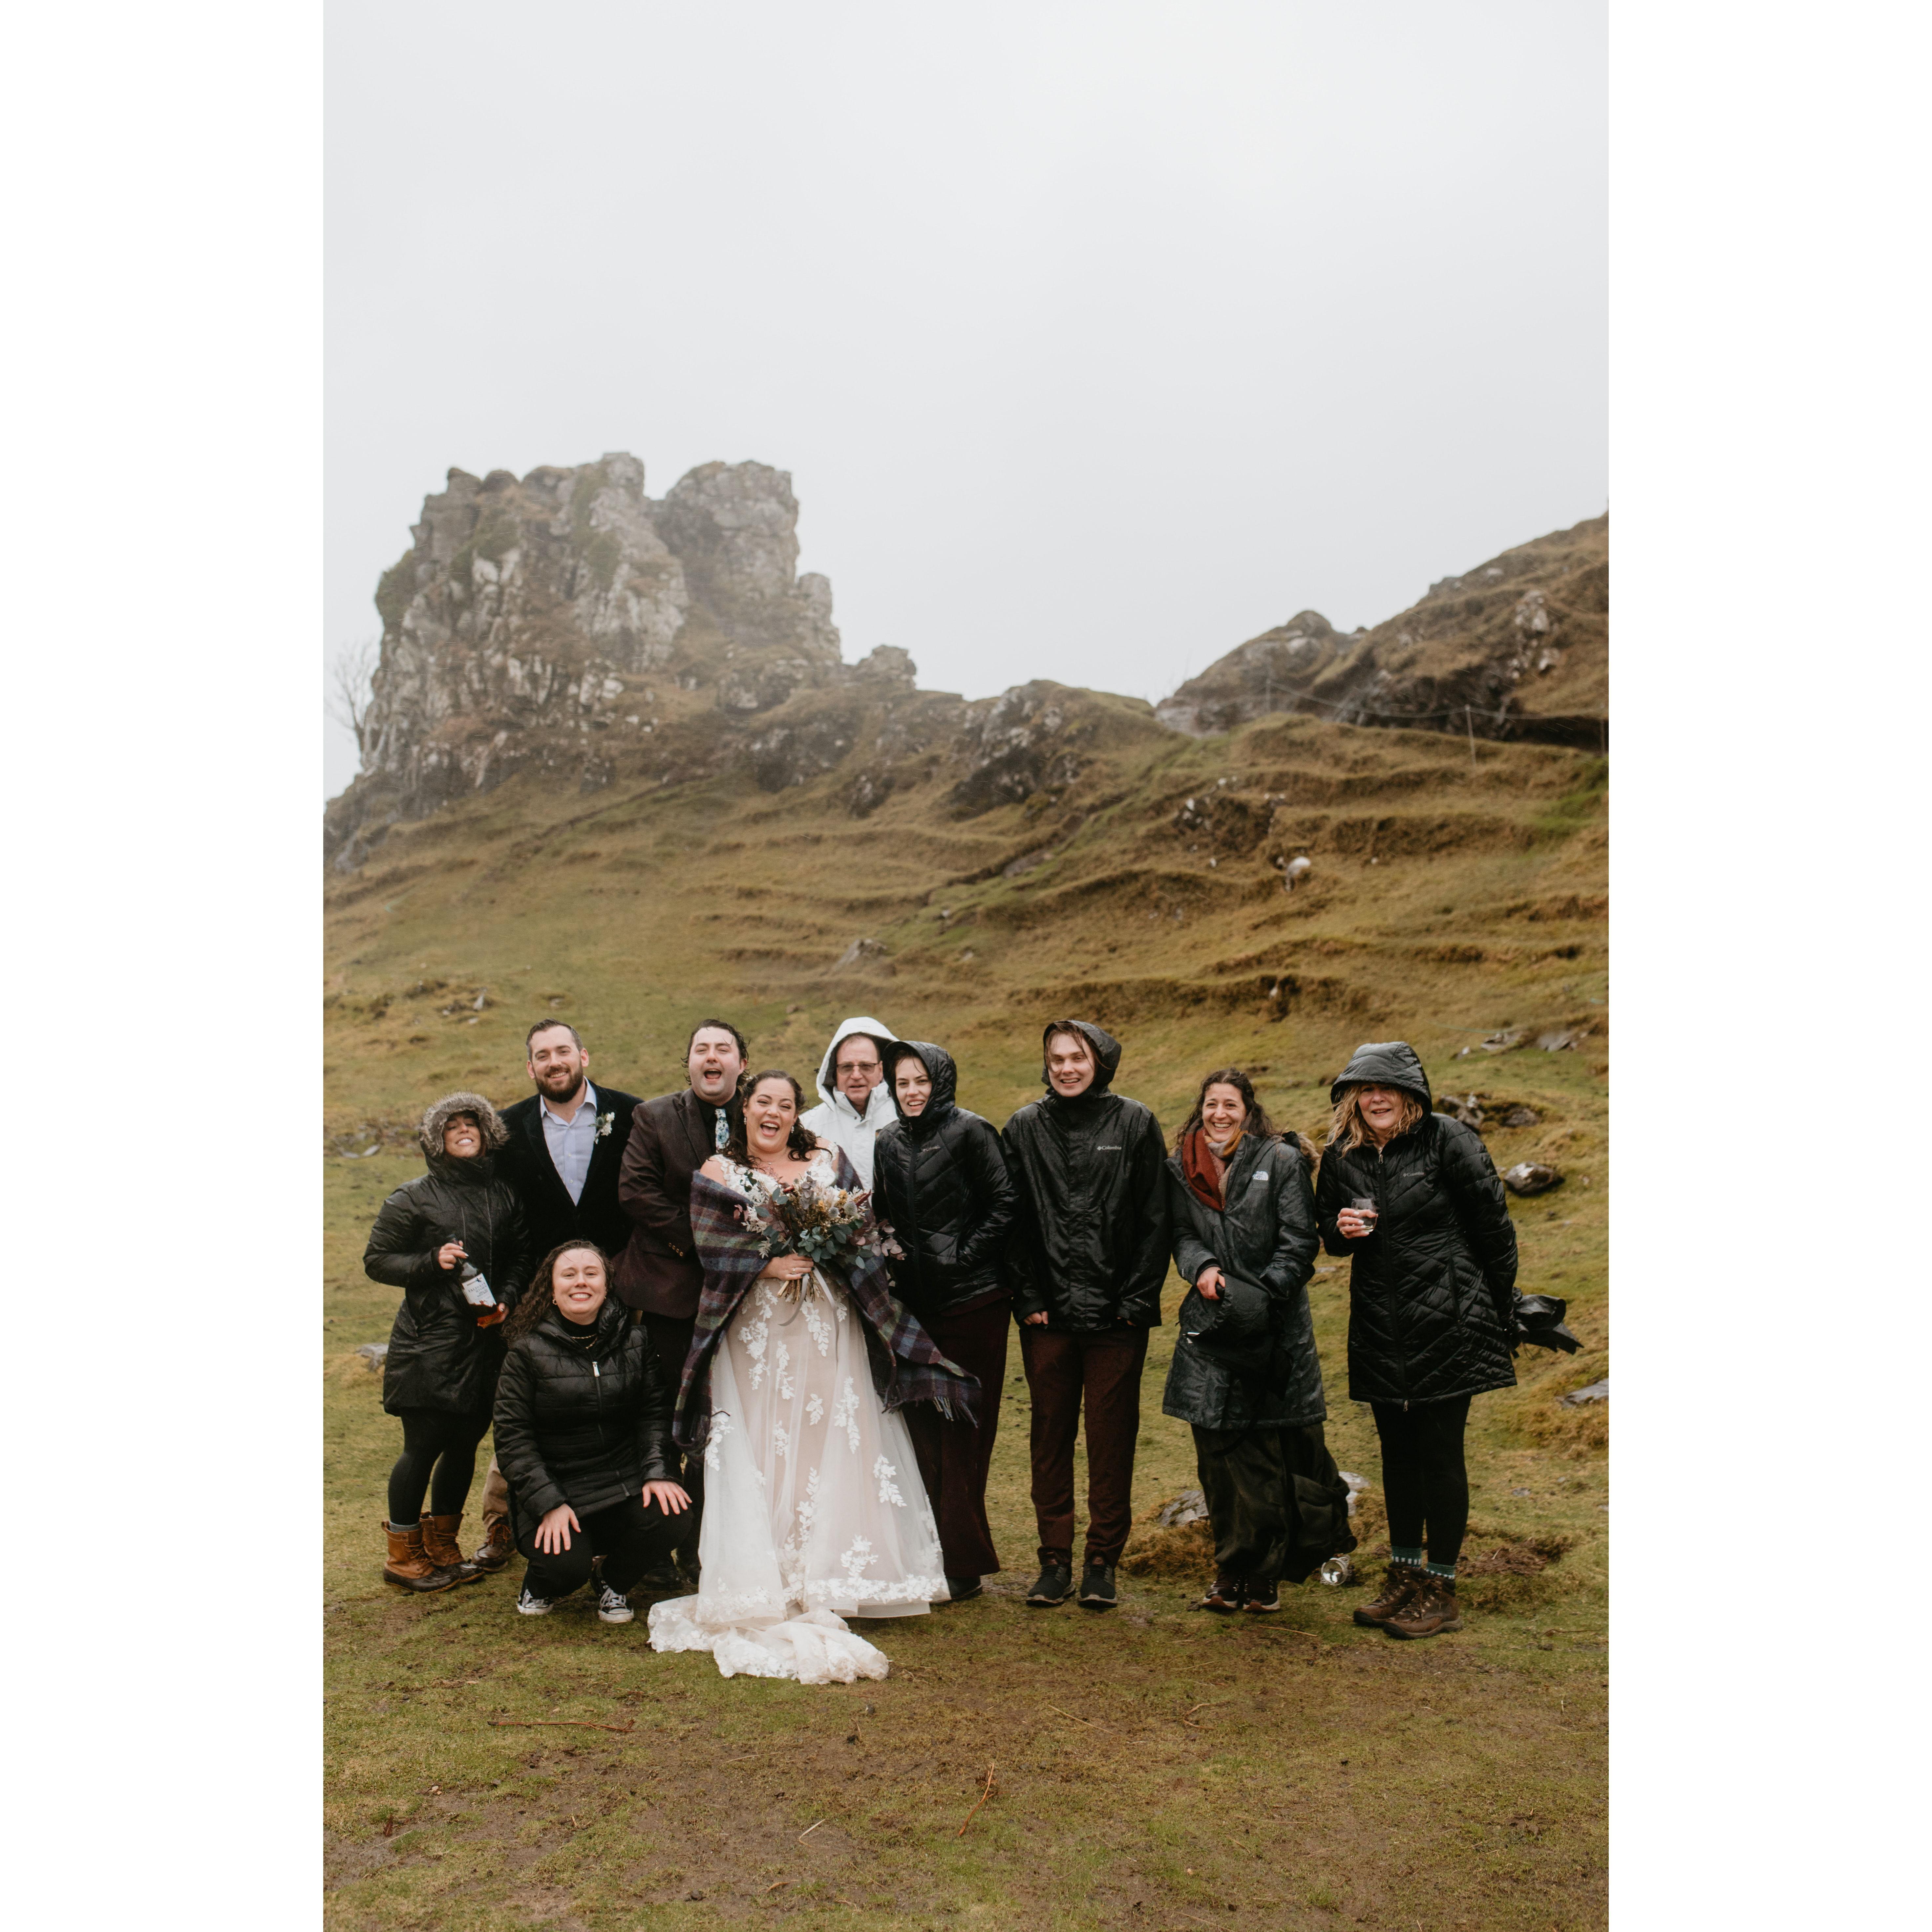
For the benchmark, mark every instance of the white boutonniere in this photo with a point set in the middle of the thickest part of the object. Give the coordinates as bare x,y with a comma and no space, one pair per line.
603,1121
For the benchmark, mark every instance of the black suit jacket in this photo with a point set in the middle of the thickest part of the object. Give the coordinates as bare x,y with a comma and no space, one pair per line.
671,1138
553,1217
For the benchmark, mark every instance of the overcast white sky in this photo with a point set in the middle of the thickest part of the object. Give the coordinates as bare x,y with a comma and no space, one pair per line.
1096,338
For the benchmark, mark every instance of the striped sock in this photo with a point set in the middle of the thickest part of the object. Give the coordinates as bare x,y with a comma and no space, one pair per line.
1446,1571
1413,1558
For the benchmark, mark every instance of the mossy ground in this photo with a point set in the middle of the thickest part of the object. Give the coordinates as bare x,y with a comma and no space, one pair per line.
1152,1766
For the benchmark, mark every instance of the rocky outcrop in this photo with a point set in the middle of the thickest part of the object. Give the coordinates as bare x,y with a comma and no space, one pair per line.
1517,648
562,621
566,625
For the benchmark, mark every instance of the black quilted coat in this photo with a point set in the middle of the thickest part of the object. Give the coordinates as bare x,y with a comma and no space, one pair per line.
1265,1234
1432,1293
1089,1243
939,1178
438,1357
583,1415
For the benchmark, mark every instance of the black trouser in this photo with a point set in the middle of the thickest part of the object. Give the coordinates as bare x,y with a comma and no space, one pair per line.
1424,1480
670,1336
435,1439
630,1536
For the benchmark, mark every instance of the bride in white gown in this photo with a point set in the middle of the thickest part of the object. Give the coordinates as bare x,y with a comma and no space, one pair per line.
814,1510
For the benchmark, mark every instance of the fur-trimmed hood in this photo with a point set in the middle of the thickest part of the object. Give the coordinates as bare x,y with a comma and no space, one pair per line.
439,1114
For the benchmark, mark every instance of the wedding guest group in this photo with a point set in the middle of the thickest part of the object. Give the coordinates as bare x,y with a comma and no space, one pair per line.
749,1356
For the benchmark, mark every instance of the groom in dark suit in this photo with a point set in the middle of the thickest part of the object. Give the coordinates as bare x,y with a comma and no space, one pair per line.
659,1273
566,1146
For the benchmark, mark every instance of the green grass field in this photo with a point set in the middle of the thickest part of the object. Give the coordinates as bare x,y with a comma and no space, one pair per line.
1150,1767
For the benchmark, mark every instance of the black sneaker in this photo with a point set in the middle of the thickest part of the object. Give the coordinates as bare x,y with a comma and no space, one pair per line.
662,1580
1096,1587
1054,1586
1262,1594
963,1589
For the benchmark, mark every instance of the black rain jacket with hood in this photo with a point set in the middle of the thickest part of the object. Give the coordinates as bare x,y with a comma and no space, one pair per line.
1089,1244
940,1178
438,1357
1432,1291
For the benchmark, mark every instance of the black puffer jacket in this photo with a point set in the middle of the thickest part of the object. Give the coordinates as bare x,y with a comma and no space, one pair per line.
939,1178
1432,1292
1265,1234
583,1415
438,1357
1089,1243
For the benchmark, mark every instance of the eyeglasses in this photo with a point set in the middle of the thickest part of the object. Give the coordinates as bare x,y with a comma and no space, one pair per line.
858,1066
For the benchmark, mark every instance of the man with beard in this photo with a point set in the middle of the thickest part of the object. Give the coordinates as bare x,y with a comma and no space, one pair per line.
659,1273
566,1144
855,1102
1088,1254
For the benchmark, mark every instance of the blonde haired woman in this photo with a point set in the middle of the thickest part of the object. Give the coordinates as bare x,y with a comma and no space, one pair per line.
1413,1199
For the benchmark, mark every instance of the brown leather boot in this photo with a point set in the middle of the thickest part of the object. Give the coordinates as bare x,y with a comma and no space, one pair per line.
497,1546
1431,1612
441,1547
408,1567
1401,1583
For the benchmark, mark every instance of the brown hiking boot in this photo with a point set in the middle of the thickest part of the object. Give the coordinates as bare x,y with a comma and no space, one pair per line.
408,1567
1401,1583
498,1545
1431,1612
441,1547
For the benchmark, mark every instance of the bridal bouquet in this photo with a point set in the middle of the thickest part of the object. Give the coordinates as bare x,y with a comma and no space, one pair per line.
823,1224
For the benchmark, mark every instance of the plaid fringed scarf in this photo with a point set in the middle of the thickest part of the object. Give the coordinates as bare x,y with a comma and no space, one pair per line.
907,1366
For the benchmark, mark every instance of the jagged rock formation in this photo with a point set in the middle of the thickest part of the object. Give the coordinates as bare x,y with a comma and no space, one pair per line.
547,622
1517,648
566,624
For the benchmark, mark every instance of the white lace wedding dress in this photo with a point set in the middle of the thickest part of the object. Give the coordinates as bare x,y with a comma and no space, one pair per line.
814,1510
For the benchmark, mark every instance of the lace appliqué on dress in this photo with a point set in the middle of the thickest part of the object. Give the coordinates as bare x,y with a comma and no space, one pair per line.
888,1490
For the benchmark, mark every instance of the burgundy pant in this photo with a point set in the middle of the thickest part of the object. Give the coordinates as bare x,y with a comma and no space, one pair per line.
1106,1368
954,1456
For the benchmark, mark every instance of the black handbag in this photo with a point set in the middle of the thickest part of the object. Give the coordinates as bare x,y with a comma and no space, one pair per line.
1236,1330
1539,1321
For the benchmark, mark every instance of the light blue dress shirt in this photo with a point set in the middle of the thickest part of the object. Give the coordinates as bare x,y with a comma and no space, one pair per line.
571,1142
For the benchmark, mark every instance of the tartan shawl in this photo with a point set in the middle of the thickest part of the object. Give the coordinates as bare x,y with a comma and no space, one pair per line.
907,1365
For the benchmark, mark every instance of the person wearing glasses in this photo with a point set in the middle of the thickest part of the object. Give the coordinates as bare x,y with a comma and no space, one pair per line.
854,1102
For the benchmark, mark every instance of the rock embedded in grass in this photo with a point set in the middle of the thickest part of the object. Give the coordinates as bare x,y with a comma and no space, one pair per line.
1529,1177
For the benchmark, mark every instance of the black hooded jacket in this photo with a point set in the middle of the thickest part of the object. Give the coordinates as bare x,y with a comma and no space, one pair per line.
939,1178
1089,1243
1432,1291
438,1357
583,1415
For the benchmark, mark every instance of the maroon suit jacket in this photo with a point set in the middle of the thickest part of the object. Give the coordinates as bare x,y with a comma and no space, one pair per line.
671,1137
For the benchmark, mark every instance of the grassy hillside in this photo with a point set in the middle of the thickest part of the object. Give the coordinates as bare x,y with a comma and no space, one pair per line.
1154,1769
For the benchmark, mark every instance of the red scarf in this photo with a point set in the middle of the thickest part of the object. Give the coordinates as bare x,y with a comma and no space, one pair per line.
1201,1169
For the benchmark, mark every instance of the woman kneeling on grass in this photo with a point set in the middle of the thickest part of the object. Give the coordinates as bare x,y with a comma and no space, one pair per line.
1413,1197
583,1420
453,1240
1242,1201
